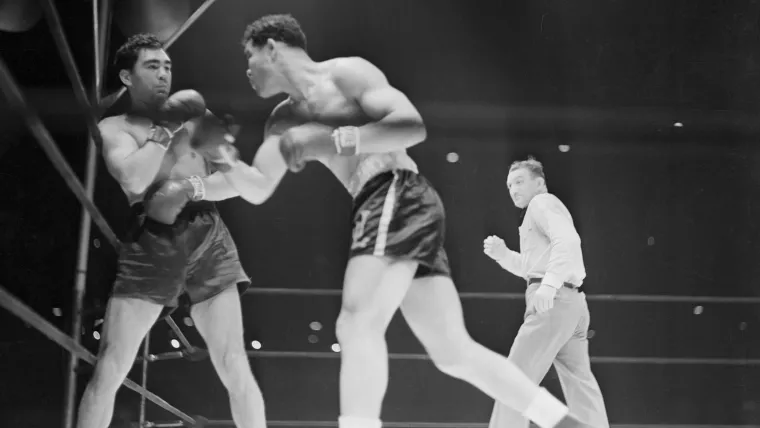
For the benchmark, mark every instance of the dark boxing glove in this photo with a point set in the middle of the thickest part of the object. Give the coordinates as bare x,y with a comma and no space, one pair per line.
169,198
182,106
214,139
312,140
171,116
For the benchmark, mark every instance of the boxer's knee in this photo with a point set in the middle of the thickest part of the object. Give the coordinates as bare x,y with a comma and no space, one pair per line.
111,369
356,323
235,372
452,355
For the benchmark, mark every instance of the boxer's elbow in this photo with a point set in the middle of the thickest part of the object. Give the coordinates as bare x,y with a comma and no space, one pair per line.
256,196
413,129
418,131
258,191
132,178
134,185
401,130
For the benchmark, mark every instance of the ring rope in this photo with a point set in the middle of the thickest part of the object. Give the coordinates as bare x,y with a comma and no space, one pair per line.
29,316
197,354
334,424
521,296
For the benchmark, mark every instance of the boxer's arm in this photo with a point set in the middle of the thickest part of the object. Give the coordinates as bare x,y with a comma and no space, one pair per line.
396,124
564,241
132,166
217,188
255,183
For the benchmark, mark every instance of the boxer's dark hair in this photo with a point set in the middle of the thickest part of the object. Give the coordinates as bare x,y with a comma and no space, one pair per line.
126,56
280,28
535,167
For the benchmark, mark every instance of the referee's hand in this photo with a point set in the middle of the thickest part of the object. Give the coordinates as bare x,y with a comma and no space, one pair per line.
495,248
543,298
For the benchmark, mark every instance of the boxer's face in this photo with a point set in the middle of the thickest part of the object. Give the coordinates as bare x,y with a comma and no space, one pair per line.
151,77
523,186
261,70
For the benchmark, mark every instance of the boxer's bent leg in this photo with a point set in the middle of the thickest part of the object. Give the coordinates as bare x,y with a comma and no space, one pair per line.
434,313
373,289
211,286
126,322
390,222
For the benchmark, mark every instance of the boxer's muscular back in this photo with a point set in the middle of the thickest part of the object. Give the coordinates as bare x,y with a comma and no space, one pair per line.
180,161
330,106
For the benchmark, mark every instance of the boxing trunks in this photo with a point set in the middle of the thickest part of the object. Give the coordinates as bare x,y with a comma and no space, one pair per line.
399,214
188,262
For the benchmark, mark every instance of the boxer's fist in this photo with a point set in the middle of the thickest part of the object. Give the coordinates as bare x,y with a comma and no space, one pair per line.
306,142
214,138
166,201
495,248
182,106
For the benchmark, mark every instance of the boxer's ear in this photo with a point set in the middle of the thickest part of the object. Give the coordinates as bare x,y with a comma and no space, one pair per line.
125,77
271,49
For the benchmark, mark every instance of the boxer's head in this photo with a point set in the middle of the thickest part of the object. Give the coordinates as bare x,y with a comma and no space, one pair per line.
526,179
145,69
270,43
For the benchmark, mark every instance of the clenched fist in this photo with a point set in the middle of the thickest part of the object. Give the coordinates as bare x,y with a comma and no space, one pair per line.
495,248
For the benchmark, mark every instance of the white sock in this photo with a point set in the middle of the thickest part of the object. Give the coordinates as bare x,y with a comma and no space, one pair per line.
546,410
357,422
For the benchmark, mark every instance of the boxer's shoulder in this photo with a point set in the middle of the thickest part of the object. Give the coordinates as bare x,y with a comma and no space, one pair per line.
355,73
113,127
112,122
125,123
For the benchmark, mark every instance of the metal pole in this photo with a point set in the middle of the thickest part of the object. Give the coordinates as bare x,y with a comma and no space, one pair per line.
146,355
180,336
69,64
17,101
18,308
84,232
79,285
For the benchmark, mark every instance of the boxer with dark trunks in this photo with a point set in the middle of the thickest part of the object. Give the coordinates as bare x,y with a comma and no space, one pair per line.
343,113
177,250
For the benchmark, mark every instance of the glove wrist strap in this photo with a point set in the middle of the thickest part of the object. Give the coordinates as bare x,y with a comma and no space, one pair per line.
347,140
199,189
161,136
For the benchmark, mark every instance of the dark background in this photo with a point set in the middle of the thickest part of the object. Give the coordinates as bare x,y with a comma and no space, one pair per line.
662,210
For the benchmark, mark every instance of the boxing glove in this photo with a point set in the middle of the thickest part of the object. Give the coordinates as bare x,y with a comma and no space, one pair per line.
169,198
214,138
313,140
181,107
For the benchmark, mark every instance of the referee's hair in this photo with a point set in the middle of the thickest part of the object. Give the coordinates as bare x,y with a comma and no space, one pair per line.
531,164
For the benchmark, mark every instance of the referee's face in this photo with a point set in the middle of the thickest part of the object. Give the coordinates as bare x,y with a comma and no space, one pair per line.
523,186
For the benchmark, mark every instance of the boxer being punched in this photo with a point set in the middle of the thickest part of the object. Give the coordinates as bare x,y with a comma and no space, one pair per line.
344,113
178,250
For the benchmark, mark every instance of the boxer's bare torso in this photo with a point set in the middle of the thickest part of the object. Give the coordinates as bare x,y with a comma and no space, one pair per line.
328,104
180,160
